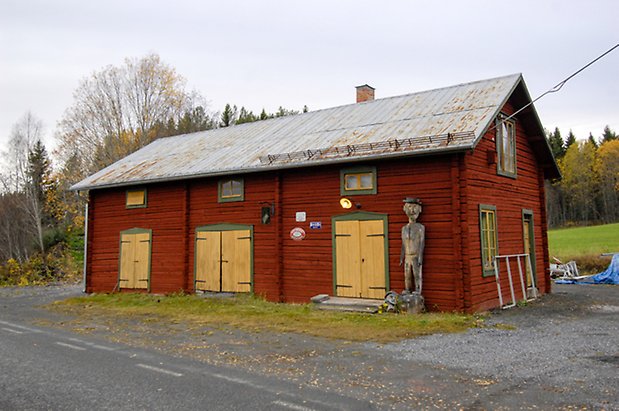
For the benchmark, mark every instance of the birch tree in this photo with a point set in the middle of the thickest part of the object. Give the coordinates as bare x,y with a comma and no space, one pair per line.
24,134
116,111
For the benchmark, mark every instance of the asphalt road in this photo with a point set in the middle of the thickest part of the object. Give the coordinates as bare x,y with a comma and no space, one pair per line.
51,369
559,352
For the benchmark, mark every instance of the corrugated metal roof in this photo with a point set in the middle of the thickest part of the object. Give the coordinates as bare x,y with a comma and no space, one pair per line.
451,118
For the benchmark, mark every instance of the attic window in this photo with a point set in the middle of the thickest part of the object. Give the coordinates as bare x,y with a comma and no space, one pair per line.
506,146
231,190
136,198
358,180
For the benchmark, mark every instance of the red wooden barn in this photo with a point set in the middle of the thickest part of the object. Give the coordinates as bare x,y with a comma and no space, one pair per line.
258,207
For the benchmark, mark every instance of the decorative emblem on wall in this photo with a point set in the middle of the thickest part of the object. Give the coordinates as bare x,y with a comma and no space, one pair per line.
297,234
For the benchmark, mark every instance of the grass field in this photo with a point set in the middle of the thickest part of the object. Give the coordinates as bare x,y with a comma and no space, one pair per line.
255,314
566,243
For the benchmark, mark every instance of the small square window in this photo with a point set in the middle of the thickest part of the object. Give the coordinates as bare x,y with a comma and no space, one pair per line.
231,190
136,198
358,181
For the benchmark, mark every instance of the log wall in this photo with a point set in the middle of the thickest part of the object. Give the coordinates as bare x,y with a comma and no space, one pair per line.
511,196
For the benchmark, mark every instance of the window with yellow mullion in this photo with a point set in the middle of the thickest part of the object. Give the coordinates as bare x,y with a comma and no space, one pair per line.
488,234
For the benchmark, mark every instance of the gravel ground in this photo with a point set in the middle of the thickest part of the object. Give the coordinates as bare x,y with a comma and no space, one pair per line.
568,340
560,352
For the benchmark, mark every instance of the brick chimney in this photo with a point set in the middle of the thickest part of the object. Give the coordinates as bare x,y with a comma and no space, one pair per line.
365,93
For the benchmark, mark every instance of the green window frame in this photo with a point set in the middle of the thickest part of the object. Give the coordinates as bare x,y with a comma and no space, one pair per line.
488,233
358,181
136,198
231,190
506,146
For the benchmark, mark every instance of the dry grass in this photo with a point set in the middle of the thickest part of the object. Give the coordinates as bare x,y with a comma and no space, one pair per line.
257,315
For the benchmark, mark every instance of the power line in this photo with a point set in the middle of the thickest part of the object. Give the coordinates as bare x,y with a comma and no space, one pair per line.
560,85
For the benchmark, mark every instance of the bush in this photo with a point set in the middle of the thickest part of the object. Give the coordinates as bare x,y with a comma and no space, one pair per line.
53,236
58,265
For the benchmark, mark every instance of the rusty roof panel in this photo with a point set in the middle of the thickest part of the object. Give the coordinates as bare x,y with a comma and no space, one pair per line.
464,110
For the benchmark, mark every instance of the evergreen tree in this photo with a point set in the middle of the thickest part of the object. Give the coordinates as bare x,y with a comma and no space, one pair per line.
571,139
38,170
608,135
194,120
591,140
37,188
556,143
246,116
228,116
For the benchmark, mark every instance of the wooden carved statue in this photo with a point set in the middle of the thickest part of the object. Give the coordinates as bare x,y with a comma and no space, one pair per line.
413,242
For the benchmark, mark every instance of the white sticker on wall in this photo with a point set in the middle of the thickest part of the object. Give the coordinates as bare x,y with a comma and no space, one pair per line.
301,216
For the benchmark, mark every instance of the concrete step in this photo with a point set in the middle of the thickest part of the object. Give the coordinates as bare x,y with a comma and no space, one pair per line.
360,305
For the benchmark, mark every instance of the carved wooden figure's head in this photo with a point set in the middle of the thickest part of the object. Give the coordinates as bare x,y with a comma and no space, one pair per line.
412,208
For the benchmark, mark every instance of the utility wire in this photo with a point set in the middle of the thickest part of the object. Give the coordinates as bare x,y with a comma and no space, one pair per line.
560,85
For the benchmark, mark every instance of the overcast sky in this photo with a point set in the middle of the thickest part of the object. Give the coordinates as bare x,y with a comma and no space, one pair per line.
263,54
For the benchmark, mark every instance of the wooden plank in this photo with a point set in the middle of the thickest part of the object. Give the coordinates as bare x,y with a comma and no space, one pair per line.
348,260
127,257
372,248
236,257
208,253
142,260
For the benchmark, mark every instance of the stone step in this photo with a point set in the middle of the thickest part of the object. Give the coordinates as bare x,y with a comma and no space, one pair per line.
360,305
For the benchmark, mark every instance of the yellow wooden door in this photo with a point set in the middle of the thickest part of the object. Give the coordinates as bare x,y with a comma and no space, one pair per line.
527,233
347,259
236,261
134,260
372,246
142,260
127,257
208,255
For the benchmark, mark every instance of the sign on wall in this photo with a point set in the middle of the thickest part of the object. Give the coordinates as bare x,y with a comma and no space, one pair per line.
297,234
315,225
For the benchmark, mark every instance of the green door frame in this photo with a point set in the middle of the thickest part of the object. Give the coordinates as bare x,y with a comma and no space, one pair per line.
226,227
360,216
528,215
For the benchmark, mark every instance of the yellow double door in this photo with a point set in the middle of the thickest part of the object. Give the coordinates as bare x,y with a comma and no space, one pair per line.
360,259
223,261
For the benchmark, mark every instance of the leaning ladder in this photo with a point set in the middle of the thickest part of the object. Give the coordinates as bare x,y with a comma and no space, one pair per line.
519,257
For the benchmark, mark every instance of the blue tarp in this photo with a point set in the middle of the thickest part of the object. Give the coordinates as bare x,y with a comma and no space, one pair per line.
610,276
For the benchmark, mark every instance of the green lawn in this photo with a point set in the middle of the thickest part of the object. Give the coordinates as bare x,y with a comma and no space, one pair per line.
571,243
255,314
